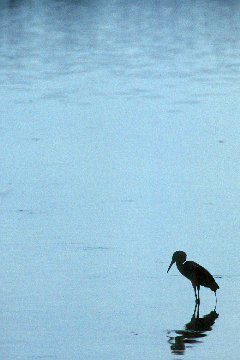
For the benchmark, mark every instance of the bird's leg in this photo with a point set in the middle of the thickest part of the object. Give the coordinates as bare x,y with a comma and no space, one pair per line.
198,310
198,300
194,314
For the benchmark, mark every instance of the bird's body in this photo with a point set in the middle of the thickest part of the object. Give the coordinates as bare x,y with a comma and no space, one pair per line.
197,274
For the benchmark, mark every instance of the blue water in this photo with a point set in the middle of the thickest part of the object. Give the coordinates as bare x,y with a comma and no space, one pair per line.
120,144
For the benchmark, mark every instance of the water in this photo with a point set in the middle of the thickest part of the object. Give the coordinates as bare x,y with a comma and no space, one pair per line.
120,144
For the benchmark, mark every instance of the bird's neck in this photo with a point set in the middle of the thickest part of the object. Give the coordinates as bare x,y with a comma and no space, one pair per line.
180,266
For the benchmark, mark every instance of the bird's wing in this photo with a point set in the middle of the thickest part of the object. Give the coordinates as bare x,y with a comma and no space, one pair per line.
201,276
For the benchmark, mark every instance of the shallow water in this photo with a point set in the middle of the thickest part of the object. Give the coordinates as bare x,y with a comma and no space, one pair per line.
120,144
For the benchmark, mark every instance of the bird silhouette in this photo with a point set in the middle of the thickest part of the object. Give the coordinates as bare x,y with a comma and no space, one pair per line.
197,274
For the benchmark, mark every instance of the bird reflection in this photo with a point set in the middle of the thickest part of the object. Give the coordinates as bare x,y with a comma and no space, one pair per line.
193,331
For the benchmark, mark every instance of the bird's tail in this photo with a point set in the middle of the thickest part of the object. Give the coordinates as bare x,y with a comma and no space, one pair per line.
214,286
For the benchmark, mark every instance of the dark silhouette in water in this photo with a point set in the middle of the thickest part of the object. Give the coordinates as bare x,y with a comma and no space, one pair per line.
193,331
197,274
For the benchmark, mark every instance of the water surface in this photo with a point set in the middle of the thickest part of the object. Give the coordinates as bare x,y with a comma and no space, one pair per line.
120,144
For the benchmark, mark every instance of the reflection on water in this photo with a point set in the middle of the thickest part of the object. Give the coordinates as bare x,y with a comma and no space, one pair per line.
193,332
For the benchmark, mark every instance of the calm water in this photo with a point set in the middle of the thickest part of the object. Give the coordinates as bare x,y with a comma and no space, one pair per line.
120,144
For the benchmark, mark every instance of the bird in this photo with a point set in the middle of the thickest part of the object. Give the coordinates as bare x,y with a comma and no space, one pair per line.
197,274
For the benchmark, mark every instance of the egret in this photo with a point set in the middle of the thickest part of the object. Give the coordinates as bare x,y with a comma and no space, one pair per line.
197,274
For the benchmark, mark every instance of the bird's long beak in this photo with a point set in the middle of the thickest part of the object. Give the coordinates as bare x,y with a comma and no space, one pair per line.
170,265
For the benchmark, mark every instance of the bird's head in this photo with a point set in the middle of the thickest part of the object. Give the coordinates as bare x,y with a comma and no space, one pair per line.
178,257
